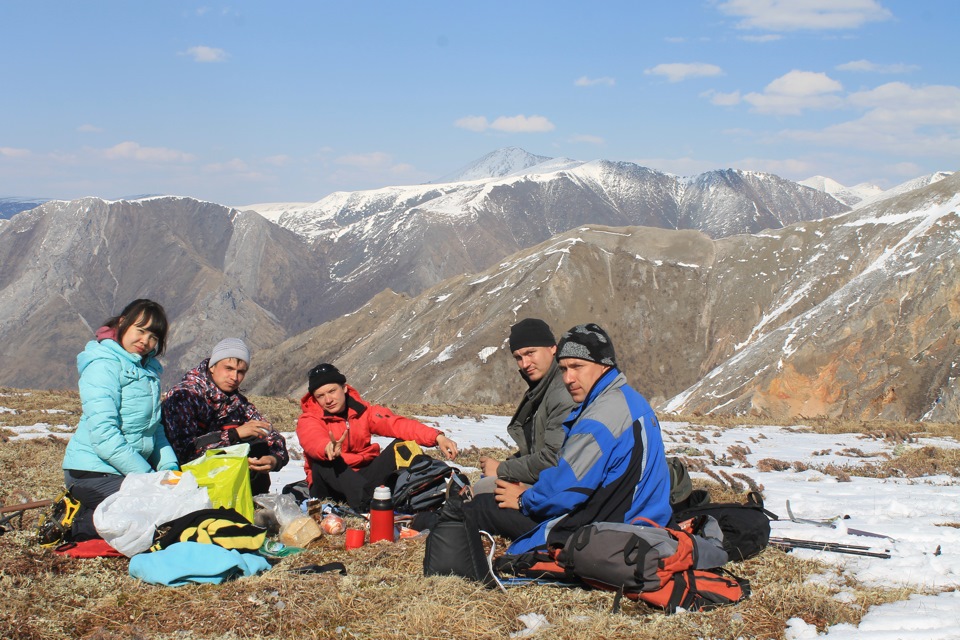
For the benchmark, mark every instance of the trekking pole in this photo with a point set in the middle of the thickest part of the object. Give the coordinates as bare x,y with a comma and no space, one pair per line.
831,523
24,506
787,544
16,511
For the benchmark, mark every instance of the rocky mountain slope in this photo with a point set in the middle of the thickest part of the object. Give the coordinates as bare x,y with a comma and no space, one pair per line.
67,266
408,239
377,281
853,316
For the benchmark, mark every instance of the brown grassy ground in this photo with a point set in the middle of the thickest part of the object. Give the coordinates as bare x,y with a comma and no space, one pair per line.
384,594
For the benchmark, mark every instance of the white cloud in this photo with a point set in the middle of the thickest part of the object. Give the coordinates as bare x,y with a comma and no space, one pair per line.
373,160
803,83
769,37
402,169
522,124
584,81
873,67
235,165
206,54
133,151
940,103
794,15
280,160
587,139
905,169
507,124
898,119
780,166
678,71
722,99
370,170
10,152
472,123
795,92
89,128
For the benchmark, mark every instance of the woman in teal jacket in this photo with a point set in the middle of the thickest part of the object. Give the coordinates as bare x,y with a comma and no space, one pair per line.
120,431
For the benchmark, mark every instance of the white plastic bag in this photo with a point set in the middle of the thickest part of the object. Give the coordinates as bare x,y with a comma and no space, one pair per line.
275,511
127,519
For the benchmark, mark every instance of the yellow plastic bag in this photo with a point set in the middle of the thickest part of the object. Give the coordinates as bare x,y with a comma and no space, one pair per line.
225,473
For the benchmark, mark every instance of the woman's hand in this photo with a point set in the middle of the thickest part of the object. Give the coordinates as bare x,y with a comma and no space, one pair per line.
447,446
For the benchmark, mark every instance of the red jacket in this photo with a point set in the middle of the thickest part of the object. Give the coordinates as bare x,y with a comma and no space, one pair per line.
363,420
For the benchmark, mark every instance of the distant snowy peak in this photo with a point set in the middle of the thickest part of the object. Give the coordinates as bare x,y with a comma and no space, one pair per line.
863,194
850,196
909,185
495,164
273,211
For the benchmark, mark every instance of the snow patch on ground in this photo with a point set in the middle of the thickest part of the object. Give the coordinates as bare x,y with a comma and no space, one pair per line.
913,512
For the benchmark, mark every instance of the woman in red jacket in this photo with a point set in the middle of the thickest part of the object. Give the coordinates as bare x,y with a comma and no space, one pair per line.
334,431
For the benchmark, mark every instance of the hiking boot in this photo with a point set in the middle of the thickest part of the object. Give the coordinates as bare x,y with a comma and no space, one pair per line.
54,526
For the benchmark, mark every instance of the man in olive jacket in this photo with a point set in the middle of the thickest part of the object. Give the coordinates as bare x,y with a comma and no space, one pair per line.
537,425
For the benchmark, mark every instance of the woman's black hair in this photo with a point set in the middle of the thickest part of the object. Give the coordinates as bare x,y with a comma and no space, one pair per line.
143,313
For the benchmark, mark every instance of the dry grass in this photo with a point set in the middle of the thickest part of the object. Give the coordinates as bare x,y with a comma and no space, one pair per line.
915,462
282,413
884,429
385,594
32,407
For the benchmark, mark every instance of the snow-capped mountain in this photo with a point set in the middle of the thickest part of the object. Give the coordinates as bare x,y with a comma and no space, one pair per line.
905,187
852,316
865,194
680,268
850,196
496,164
409,238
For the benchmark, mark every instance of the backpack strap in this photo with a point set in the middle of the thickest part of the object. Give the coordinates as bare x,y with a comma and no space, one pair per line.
648,521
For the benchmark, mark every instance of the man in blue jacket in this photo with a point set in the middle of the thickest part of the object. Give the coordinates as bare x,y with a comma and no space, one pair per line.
612,465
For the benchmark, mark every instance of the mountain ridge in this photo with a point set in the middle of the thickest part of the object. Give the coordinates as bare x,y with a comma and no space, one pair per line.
417,299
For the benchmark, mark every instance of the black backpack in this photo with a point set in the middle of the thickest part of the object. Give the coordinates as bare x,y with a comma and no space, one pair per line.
746,527
423,484
454,547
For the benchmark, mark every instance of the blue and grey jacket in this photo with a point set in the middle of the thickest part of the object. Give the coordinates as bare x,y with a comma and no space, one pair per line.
612,468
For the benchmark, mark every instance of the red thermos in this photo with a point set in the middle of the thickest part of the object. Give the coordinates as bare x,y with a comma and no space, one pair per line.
381,515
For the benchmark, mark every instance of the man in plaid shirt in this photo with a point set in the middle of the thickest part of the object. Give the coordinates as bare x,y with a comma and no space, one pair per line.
206,410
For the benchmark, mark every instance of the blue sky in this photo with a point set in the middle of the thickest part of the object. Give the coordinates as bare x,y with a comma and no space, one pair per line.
252,102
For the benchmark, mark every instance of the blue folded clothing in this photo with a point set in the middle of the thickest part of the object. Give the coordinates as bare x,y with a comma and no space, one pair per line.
185,562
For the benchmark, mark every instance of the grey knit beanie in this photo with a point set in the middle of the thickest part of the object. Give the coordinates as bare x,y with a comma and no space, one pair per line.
230,348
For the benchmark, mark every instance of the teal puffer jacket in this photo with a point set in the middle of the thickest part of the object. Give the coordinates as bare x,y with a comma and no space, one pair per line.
120,430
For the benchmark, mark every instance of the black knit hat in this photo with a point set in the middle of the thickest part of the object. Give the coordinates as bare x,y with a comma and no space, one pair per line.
531,332
324,374
587,342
